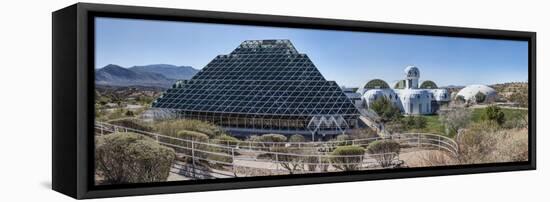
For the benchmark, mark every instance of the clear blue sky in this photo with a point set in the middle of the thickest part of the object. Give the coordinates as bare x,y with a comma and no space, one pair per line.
349,58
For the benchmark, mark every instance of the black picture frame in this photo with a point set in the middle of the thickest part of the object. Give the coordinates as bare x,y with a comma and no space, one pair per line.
73,87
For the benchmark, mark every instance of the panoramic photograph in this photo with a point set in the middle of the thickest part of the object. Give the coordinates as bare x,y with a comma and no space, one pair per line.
181,101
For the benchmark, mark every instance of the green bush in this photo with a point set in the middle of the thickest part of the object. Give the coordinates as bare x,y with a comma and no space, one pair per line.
493,113
131,123
347,158
227,140
122,158
172,127
297,138
186,147
343,140
273,138
384,151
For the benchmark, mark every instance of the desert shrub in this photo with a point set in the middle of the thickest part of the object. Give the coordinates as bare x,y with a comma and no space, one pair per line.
287,159
520,97
227,140
272,138
362,133
454,119
431,158
311,162
172,127
132,158
297,138
415,122
394,127
384,151
486,142
493,113
129,113
219,157
347,158
187,147
516,120
131,123
343,140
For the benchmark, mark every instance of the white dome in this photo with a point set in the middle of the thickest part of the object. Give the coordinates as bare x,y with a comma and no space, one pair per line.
412,72
469,93
373,94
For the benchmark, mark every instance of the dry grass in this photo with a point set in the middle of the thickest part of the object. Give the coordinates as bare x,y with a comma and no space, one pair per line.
487,143
436,158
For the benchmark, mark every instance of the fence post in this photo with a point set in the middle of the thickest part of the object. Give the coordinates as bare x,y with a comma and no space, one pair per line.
320,165
418,140
277,162
233,161
438,142
193,156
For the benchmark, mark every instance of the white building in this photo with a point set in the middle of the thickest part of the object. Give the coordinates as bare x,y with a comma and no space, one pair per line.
469,93
406,94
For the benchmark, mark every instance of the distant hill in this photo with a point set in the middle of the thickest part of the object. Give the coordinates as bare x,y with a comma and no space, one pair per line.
164,76
169,71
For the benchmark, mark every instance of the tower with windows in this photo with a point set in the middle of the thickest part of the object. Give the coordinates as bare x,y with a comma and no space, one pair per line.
412,74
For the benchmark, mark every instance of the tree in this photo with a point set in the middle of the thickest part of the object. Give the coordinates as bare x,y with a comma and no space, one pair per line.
122,158
480,97
384,151
385,109
454,119
347,158
494,113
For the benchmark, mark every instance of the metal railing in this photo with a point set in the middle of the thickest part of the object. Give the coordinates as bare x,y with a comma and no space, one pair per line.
302,155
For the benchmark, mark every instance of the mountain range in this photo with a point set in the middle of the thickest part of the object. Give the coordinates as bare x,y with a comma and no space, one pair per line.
157,75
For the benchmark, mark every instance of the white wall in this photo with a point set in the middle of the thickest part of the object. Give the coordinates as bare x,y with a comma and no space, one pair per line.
25,76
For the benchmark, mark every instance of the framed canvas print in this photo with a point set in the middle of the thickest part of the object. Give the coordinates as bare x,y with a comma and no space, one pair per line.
155,100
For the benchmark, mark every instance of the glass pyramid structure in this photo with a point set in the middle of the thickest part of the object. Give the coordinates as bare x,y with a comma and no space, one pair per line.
263,86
